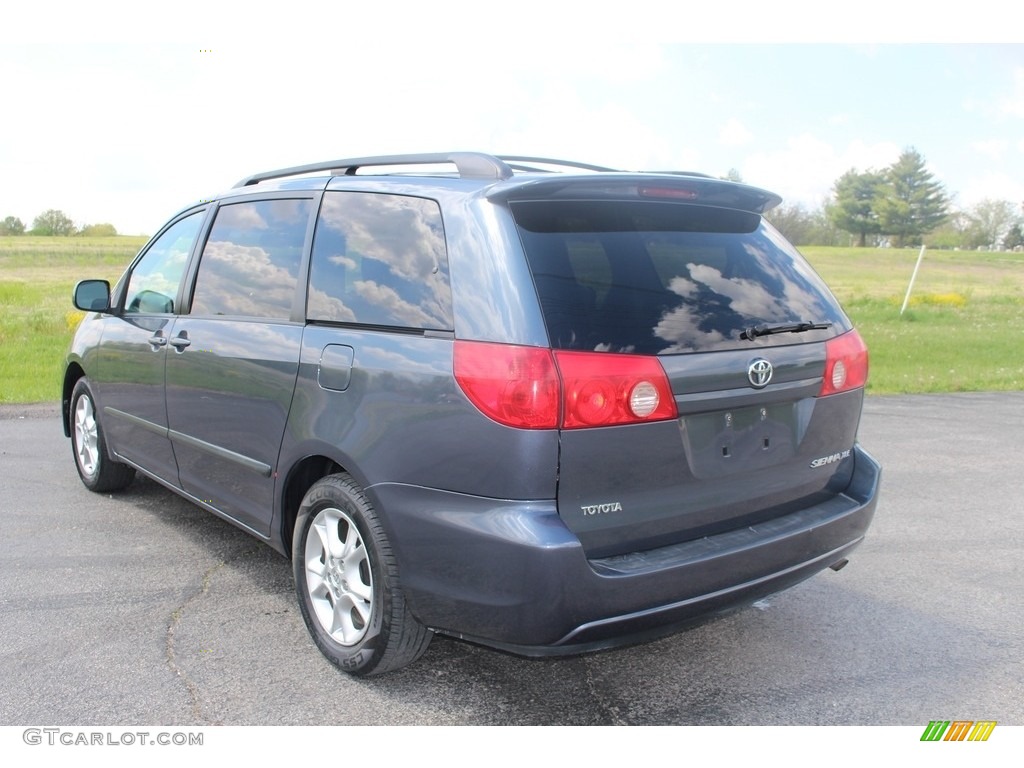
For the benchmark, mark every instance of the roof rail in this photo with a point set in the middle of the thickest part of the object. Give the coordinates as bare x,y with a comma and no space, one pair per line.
516,163
470,165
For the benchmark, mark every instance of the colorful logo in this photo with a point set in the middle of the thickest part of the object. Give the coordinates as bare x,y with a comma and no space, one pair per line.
958,730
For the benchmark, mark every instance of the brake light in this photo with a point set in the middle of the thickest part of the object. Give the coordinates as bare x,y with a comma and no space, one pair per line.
673,193
531,388
846,364
601,389
515,386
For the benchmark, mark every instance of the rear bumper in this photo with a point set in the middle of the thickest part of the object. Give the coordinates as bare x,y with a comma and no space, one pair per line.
509,574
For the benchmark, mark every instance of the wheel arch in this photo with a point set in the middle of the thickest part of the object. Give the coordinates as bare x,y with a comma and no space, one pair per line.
71,376
300,478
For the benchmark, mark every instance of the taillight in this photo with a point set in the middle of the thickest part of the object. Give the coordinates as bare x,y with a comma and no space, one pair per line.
601,389
846,364
515,386
529,388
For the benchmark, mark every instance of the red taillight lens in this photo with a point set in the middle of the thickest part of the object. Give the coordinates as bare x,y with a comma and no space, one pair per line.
673,193
846,364
520,386
515,386
601,389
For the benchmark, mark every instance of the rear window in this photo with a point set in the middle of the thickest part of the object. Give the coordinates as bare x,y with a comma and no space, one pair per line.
666,278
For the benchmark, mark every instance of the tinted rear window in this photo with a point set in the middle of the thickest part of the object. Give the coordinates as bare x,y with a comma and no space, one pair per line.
665,278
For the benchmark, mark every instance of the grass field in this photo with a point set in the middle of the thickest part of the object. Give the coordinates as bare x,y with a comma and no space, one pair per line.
963,330
37,319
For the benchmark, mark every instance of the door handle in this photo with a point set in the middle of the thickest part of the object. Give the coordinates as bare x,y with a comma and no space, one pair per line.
180,341
157,340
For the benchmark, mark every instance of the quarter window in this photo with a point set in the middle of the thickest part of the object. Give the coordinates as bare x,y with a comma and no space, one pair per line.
380,260
250,264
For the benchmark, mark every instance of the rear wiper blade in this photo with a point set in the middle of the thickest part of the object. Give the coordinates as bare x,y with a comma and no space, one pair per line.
768,329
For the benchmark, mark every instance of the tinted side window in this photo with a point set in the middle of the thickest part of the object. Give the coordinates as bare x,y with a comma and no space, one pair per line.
380,260
250,264
154,282
665,278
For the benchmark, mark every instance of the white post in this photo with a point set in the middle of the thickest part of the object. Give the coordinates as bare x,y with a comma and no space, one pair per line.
913,277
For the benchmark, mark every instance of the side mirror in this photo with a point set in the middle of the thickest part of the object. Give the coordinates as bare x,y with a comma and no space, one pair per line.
92,296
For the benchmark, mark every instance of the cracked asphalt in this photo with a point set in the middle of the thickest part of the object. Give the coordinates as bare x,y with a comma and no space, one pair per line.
140,609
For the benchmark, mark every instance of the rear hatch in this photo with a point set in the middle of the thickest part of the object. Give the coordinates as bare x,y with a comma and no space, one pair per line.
746,335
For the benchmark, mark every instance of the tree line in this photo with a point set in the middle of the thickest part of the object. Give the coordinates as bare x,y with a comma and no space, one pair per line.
54,223
899,206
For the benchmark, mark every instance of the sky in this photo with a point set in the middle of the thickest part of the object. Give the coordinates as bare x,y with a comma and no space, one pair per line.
124,113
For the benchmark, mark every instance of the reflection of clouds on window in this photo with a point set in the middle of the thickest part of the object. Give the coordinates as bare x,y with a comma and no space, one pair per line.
323,306
685,288
403,232
775,291
241,217
242,280
392,306
250,264
380,260
343,261
681,328
746,297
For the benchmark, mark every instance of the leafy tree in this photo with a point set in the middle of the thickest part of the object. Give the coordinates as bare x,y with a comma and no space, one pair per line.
856,197
12,225
53,222
98,230
990,221
1014,238
954,232
913,203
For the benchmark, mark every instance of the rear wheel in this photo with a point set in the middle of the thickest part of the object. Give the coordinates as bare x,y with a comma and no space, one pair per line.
347,582
98,471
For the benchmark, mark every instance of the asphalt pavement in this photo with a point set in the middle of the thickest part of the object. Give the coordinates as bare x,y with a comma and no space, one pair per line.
138,608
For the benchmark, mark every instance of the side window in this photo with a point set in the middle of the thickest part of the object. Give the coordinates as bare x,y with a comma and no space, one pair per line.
380,260
154,282
250,264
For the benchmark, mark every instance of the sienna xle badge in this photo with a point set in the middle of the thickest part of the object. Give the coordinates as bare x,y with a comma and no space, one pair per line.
543,406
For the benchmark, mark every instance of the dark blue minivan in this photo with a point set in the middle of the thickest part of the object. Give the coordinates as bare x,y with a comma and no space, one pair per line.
542,406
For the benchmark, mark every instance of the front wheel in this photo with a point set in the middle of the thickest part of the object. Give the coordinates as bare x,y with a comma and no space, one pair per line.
347,582
98,471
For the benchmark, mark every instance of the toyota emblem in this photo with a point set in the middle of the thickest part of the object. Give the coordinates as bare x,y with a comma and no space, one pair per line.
759,372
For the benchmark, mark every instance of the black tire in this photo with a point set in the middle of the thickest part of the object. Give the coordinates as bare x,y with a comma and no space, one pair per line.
347,582
98,471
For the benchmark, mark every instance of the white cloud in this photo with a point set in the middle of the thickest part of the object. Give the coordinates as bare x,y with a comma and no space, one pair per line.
734,134
995,185
992,148
806,169
1014,104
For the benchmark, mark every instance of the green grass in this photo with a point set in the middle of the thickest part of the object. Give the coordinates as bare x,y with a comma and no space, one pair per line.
37,275
963,330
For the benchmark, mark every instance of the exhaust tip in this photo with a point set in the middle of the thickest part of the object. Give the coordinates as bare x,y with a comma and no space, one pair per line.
838,565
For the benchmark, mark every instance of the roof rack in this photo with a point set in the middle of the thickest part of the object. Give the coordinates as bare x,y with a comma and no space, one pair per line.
516,163
470,165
